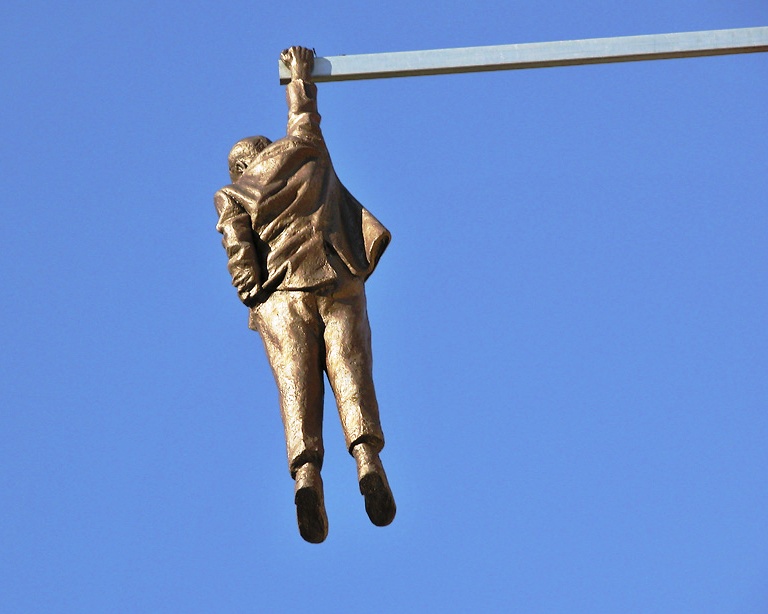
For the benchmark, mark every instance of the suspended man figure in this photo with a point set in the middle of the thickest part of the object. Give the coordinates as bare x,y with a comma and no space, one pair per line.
300,248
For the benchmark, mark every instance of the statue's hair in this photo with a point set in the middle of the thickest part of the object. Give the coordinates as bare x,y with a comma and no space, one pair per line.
247,148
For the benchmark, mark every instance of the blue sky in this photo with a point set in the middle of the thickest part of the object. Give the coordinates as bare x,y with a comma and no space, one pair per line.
570,327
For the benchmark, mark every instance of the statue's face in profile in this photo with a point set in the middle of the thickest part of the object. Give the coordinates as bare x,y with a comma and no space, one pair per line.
238,168
244,153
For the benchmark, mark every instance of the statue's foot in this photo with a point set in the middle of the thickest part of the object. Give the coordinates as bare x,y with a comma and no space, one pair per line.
379,502
310,504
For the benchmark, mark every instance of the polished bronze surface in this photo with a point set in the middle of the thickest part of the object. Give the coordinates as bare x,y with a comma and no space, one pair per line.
299,249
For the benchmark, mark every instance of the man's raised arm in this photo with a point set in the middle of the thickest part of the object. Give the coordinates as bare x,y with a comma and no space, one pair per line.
301,93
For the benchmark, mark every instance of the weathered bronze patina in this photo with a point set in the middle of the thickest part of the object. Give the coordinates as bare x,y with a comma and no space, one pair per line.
300,247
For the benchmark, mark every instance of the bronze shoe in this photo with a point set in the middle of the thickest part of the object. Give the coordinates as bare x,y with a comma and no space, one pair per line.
379,502
310,504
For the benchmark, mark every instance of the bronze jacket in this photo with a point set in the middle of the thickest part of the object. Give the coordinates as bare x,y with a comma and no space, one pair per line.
288,222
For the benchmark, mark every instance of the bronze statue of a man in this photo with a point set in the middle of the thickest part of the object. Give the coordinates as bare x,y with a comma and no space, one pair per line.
300,247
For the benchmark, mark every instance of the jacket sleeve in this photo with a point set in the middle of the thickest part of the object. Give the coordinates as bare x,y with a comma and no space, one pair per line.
303,118
242,260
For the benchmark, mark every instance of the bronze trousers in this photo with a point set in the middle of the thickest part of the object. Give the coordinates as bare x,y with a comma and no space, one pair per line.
308,333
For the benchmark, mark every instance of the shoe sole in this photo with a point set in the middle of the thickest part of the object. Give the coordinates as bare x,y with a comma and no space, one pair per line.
311,517
379,502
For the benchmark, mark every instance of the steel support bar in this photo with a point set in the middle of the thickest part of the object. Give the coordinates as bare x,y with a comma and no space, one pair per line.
537,55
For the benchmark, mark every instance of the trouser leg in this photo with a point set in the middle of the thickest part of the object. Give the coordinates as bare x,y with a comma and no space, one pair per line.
290,327
349,364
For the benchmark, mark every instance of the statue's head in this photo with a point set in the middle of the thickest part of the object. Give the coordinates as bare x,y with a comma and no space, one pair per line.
243,153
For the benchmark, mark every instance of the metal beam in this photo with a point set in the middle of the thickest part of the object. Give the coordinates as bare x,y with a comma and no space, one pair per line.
537,55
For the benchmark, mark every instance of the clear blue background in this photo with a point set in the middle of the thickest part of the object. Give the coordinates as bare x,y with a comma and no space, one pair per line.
570,325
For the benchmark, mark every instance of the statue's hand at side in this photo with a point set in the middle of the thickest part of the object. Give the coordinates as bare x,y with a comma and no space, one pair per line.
300,61
252,297
247,285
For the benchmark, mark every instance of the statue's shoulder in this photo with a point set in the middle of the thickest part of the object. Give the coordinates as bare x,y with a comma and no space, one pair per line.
223,198
228,192
236,197
290,144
